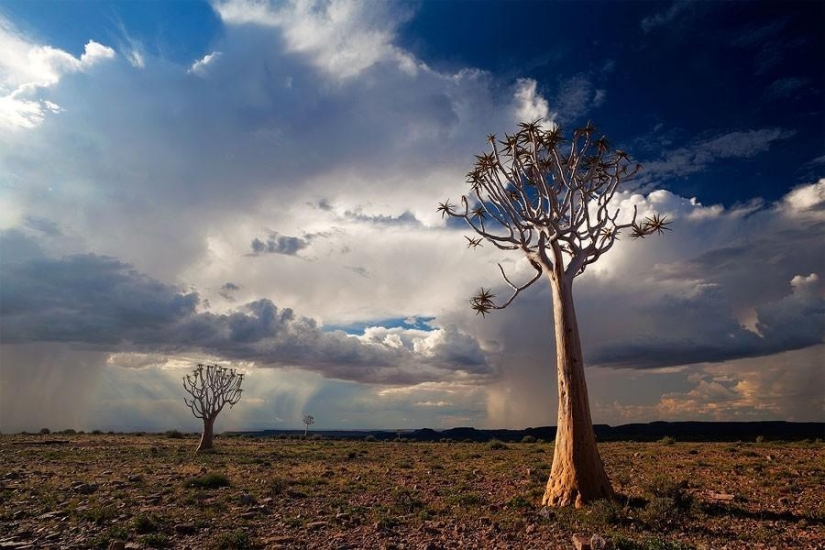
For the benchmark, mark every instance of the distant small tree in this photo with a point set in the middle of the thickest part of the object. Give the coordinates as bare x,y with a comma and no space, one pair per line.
308,420
212,387
550,198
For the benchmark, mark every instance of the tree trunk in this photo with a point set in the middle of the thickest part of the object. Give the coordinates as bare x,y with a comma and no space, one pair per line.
206,437
577,475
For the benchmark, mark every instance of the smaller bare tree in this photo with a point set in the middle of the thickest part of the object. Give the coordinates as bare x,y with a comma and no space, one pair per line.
308,420
211,387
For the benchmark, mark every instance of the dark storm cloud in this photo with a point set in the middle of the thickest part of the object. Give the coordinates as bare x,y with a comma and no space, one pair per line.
406,218
280,244
43,225
228,289
101,303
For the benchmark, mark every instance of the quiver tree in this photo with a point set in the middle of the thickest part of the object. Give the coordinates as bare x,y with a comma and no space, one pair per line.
308,421
550,199
211,387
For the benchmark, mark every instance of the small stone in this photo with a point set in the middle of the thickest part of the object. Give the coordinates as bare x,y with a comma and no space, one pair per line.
316,525
86,488
117,545
580,542
343,516
530,529
247,499
546,512
249,515
597,542
185,528
784,501
135,478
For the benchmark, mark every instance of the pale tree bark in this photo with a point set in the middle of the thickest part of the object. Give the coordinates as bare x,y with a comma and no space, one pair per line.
577,475
211,388
206,442
549,198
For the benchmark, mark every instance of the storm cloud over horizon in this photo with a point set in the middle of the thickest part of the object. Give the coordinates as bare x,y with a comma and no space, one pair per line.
266,197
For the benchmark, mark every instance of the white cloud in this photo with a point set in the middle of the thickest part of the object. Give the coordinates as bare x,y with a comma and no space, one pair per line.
26,68
806,201
530,105
200,66
342,38
356,152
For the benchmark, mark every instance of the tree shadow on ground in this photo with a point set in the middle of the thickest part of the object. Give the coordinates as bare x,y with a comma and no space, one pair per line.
721,510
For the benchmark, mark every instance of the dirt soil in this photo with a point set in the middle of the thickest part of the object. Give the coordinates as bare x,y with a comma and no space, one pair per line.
152,491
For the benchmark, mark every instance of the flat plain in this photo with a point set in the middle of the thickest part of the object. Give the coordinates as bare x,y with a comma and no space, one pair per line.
153,491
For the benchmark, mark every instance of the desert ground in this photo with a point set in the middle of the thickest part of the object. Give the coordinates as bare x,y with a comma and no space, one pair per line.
71,490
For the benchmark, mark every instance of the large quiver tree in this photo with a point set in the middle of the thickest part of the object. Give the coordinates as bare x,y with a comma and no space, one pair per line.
211,387
550,198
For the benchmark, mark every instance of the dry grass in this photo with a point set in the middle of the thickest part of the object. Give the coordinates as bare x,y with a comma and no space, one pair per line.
82,491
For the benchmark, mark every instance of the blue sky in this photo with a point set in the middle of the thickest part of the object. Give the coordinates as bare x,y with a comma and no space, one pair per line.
255,183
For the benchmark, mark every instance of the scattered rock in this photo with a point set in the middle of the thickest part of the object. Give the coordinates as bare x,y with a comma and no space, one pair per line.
117,545
247,499
248,515
316,525
292,493
57,514
784,501
185,529
135,478
546,512
721,497
86,488
597,542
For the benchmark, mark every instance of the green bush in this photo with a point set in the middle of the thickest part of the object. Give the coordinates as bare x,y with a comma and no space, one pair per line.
667,440
528,439
45,431
370,438
173,434
155,540
497,445
146,523
238,539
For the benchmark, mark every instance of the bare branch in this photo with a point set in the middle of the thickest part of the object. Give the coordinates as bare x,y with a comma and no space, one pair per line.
549,197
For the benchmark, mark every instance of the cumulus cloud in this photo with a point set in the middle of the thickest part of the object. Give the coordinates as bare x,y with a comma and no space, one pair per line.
341,38
530,104
201,66
26,68
104,304
314,121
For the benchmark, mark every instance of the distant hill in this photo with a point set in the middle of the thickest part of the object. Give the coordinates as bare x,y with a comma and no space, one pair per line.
681,431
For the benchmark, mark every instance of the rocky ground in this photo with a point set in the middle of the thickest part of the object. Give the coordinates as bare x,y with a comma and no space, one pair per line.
152,491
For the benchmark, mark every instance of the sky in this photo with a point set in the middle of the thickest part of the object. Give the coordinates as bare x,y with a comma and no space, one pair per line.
255,184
